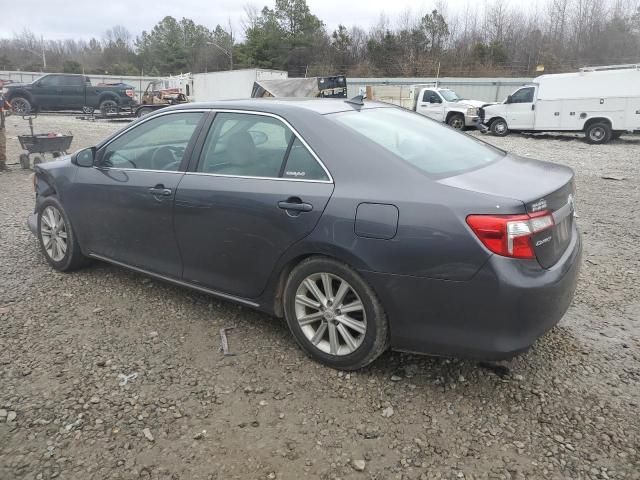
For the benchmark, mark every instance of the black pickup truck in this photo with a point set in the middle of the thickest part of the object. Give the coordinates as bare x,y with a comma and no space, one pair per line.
68,92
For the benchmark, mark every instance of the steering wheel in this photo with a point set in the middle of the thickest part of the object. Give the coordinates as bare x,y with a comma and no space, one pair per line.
163,157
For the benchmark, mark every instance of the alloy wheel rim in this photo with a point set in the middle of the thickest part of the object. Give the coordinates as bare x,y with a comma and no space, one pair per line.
330,314
53,231
456,123
19,106
501,127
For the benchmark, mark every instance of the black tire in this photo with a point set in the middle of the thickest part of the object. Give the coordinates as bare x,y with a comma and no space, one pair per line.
108,107
456,121
141,112
21,106
499,127
597,133
374,340
25,163
73,257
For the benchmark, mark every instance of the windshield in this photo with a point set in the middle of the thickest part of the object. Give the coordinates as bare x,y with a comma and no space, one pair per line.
426,144
450,95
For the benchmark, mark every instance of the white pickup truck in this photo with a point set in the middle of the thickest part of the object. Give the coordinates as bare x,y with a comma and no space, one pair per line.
602,102
441,104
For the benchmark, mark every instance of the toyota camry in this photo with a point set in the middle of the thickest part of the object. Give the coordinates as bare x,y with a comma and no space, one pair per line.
365,226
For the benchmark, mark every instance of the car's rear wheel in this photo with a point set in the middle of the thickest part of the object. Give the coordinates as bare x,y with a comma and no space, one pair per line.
334,314
598,132
57,238
499,127
108,107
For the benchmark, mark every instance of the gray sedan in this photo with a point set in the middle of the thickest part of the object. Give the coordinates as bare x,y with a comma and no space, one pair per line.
364,225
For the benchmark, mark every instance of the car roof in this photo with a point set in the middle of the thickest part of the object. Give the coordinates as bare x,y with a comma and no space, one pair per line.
282,106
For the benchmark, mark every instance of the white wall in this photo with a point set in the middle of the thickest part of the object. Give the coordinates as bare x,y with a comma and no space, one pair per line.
485,89
232,84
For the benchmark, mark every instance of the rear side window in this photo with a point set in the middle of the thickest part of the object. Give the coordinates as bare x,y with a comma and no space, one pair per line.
301,164
428,145
248,145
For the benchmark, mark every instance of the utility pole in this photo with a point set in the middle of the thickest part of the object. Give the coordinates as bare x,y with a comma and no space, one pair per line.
3,136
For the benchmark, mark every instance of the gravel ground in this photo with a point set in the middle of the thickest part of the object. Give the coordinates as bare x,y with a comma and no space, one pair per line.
108,374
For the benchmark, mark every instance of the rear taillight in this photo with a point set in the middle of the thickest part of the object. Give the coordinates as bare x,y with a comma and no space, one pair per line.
510,235
129,93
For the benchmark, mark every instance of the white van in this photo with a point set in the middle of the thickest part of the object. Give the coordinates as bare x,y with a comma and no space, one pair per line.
602,102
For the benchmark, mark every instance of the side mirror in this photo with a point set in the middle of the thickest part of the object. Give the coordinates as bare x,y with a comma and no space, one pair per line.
84,158
509,98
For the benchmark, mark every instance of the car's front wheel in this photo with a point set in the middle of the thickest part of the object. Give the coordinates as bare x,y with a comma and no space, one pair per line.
57,238
334,314
499,127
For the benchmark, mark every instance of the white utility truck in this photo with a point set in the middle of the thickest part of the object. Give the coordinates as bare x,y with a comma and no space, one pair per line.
602,102
440,104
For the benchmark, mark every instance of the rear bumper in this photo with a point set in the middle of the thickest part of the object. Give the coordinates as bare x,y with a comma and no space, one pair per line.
499,313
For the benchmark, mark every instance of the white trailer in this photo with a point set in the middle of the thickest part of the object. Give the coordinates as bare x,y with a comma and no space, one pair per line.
602,102
230,84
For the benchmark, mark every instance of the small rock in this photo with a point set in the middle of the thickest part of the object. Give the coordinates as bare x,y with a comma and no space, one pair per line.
3,413
97,310
358,465
558,438
11,416
95,399
200,435
396,378
147,434
263,403
387,412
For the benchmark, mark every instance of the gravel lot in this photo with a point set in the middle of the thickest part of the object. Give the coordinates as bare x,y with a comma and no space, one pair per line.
569,408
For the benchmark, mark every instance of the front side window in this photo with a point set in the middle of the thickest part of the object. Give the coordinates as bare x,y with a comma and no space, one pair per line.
430,146
50,81
249,145
524,95
157,144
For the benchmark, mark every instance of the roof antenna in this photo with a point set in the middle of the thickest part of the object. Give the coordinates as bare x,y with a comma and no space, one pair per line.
357,100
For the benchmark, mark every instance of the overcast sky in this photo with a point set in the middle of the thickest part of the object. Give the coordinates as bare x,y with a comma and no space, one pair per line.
60,19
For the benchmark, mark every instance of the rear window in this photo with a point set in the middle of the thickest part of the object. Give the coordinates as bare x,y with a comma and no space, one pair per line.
428,145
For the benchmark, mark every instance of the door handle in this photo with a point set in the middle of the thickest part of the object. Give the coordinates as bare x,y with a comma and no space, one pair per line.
160,190
295,204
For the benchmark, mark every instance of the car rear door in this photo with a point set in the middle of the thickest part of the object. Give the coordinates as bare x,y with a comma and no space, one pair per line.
72,91
256,189
123,207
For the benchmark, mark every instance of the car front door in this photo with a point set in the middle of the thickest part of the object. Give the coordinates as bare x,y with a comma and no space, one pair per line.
47,91
431,105
256,189
520,109
123,206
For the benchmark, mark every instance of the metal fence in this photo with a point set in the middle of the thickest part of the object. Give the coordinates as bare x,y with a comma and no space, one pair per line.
485,89
138,83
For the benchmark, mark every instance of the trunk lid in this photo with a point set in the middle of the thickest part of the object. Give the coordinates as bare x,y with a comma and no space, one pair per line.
539,186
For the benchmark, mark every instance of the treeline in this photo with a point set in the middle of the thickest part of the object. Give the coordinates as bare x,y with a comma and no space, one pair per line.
490,38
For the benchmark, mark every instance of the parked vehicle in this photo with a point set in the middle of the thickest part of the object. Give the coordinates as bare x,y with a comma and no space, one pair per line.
68,92
156,97
334,86
602,102
277,205
441,104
